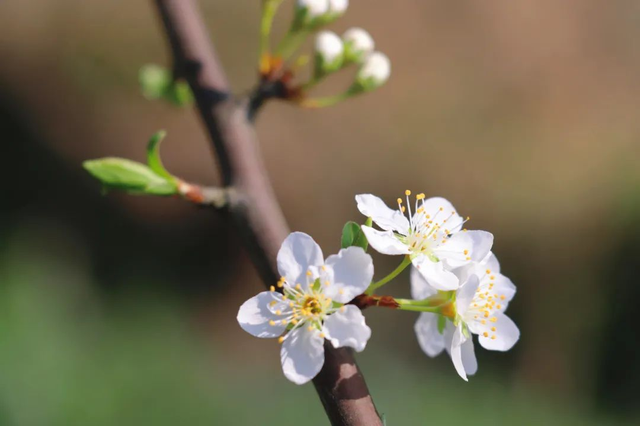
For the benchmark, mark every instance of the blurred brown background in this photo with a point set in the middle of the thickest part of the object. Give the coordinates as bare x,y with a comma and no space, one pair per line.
524,114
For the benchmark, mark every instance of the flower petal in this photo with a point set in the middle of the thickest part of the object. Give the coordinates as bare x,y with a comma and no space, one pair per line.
384,242
463,247
469,360
429,338
420,288
352,273
386,218
504,287
435,274
347,328
254,316
298,253
490,262
506,332
302,355
439,209
455,352
465,294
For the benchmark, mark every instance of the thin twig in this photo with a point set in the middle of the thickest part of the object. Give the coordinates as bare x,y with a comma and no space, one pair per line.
252,203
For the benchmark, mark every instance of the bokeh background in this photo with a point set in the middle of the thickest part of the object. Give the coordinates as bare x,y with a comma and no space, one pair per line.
120,310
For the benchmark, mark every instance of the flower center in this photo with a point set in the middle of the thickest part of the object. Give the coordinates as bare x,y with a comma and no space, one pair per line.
486,302
312,305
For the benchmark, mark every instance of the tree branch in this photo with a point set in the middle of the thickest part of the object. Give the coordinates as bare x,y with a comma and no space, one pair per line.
251,202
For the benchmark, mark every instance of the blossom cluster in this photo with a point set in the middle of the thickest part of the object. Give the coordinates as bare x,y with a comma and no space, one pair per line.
456,285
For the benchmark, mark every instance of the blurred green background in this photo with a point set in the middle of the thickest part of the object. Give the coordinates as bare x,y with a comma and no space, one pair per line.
120,310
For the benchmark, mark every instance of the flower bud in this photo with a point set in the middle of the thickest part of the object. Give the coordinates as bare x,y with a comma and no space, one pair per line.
373,73
338,7
358,44
329,53
310,13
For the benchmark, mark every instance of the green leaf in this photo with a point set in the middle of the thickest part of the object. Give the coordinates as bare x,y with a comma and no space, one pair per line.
154,81
130,176
153,156
352,235
157,82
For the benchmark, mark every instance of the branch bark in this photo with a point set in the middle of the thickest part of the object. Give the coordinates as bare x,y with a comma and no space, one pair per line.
251,200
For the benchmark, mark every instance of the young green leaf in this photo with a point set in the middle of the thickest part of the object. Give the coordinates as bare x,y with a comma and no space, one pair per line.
352,235
130,176
157,82
153,155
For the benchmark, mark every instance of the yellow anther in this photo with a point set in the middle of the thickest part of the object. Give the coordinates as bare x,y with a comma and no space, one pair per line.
466,252
291,305
322,335
278,312
467,258
499,306
407,192
488,271
403,209
468,218
280,339
323,267
399,200
441,208
485,334
272,303
483,322
486,314
272,322
272,288
494,319
492,277
298,286
428,217
310,328
465,230
493,337
493,329
420,196
308,273
327,283
342,309
420,210
502,297
283,322
280,284
294,321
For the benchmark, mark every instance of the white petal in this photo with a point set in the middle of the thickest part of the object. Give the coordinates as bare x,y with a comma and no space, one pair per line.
469,361
298,253
352,273
384,242
429,338
455,352
490,262
302,355
507,333
420,288
386,218
465,294
435,274
477,243
347,328
432,208
504,287
254,316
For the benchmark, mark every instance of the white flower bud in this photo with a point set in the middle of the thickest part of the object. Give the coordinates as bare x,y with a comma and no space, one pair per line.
338,6
313,8
358,44
329,53
374,72
329,46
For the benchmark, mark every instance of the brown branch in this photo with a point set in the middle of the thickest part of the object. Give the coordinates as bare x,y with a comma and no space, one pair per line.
252,204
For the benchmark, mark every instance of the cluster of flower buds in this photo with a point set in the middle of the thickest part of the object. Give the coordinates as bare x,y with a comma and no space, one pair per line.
332,52
456,286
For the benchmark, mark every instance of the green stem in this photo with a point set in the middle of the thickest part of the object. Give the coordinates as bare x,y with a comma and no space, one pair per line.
290,43
374,286
269,9
417,308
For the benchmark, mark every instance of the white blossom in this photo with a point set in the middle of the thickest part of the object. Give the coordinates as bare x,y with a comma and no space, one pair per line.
479,309
329,46
314,8
431,234
359,43
375,70
338,6
311,306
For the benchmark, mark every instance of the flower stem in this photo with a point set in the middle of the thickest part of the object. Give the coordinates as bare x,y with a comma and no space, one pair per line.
290,43
269,9
374,286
